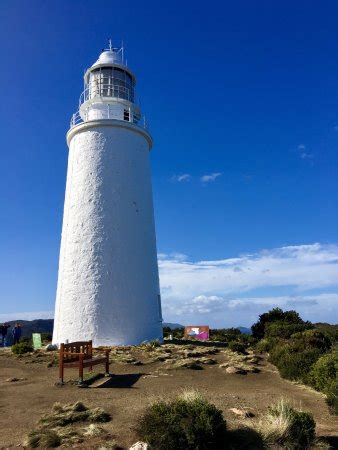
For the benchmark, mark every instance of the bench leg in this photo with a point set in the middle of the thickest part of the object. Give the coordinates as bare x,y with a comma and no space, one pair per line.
61,372
107,366
81,369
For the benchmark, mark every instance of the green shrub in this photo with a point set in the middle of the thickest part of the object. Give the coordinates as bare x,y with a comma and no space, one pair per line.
312,338
46,337
21,348
293,364
329,330
275,315
177,333
186,423
324,377
225,334
332,396
237,347
266,345
285,330
324,372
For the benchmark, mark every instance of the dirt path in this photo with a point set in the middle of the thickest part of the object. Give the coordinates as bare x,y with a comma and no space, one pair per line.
23,403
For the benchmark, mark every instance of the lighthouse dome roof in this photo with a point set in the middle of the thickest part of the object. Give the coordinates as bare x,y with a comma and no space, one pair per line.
109,57
112,57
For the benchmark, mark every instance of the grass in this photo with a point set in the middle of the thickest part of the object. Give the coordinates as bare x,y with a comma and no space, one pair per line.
285,426
43,438
64,415
54,431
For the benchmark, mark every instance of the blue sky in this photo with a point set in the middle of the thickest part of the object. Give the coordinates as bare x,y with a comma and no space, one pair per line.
242,100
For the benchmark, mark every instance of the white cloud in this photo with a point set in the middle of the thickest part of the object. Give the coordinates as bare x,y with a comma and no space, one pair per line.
304,154
183,177
229,286
234,291
211,177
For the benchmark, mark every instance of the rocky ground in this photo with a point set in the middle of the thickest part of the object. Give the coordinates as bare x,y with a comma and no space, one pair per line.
242,385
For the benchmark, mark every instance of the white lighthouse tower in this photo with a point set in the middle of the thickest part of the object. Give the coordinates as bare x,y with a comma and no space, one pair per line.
108,287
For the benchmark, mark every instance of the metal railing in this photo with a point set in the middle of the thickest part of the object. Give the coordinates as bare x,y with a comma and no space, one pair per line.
138,120
107,87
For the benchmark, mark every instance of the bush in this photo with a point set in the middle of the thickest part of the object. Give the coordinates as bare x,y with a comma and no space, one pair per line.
186,423
237,347
323,377
275,315
324,372
21,348
46,337
330,330
293,364
312,338
266,344
332,396
177,333
285,330
225,334
286,427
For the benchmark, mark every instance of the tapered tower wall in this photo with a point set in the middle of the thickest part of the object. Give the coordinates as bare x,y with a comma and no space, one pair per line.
108,288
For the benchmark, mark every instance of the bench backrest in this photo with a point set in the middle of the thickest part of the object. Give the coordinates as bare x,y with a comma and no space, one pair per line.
85,347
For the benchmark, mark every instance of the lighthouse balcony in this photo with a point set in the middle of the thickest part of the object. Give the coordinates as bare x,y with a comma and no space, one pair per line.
107,112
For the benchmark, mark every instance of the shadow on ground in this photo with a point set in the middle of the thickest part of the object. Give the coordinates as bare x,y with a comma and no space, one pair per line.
121,381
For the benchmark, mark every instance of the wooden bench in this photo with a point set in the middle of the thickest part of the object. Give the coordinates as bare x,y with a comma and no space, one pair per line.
80,354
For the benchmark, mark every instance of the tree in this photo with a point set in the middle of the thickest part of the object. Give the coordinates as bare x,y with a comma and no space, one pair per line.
275,315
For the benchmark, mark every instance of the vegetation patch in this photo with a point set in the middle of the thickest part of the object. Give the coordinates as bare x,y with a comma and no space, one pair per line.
237,347
301,350
21,348
43,438
287,427
63,415
189,422
187,363
54,431
324,377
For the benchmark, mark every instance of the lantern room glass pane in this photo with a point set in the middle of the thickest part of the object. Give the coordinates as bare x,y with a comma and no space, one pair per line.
110,82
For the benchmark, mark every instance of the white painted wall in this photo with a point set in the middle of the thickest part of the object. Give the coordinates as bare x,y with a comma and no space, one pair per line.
108,288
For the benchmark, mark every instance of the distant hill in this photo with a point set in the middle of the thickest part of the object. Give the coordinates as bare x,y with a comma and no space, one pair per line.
34,326
172,325
46,326
244,330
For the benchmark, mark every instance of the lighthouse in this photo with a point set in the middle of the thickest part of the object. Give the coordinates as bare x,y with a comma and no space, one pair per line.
108,285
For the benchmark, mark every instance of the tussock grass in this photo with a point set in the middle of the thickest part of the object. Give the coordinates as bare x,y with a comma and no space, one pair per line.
42,438
53,430
63,415
285,426
93,430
